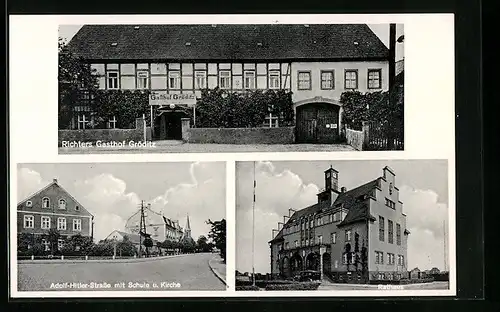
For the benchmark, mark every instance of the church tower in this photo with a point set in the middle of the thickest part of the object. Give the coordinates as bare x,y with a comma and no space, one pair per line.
187,230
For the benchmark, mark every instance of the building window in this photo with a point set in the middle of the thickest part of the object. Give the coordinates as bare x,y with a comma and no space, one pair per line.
320,239
330,218
374,77
45,244
381,228
45,223
29,222
296,243
249,79
311,223
200,81
77,208
336,264
274,79
112,123
61,223
112,80
304,81
77,224
327,80
45,202
82,121
348,235
389,203
351,79
379,257
401,260
286,245
225,79
390,258
142,79
398,234
174,80
334,238
390,188
29,203
60,244
390,232
271,120
62,204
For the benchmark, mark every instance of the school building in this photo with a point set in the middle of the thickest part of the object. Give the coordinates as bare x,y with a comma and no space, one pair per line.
317,62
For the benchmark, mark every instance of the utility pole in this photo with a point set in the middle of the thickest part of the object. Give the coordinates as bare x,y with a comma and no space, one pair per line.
140,228
392,76
253,227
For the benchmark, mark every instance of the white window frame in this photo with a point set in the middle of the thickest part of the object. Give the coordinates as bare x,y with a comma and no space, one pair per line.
61,223
274,76
60,243
378,79
226,78
30,220
334,237
301,82
331,81
77,225
320,239
112,123
249,79
349,80
45,200
82,121
109,79
174,79
200,76
63,205
45,222
46,244
142,82
348,235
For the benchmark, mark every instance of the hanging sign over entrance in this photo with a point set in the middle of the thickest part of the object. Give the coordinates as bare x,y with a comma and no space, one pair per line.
163,98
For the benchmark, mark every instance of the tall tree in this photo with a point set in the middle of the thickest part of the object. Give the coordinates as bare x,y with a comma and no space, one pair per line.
74,76
202,244
218,236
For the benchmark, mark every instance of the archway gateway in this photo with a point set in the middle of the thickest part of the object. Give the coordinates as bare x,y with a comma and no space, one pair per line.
312,261
168,124
318,123
296,264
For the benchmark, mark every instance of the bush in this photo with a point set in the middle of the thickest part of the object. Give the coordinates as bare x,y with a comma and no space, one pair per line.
294,286
247,288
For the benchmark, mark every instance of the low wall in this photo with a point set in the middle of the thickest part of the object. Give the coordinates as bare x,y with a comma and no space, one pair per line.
105,135
282,135
355,138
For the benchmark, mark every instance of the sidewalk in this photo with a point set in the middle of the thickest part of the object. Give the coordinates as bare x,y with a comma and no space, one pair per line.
218,267
180,147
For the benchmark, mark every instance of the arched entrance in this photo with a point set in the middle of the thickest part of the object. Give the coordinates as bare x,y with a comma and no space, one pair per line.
296,264
285,267
168,126
317,123
327,263
312,261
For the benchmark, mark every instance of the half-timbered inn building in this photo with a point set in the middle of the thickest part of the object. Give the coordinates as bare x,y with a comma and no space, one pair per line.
317,63
53,207
356,235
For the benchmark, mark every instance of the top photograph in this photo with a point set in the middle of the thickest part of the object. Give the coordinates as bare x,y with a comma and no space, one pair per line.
210,88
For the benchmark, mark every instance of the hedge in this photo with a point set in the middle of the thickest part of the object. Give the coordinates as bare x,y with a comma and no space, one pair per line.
294,286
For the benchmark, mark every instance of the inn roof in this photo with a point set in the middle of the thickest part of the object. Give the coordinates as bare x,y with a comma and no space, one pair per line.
228,42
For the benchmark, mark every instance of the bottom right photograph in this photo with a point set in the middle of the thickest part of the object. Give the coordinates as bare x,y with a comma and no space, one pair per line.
343,225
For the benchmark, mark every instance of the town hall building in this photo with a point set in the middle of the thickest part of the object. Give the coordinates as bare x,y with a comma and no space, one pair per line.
354,236
316,62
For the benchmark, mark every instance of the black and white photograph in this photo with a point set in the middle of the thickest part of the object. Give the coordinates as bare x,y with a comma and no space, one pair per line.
343,225
121,227
181,88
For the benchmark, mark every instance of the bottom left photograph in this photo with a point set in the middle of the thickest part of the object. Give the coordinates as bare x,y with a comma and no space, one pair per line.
120,226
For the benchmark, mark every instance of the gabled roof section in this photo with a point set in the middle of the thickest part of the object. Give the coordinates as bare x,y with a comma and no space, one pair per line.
56,184
228,42
134,238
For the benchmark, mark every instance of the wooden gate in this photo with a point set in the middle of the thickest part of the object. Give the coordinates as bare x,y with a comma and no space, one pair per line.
317,123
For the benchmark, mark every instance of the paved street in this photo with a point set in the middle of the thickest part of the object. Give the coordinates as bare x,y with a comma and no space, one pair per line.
180,147
422,286
188,272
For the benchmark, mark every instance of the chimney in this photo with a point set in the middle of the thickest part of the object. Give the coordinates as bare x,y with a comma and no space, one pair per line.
343,189
54,180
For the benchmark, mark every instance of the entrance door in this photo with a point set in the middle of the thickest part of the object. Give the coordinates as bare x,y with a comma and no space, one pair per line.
168,126
317,123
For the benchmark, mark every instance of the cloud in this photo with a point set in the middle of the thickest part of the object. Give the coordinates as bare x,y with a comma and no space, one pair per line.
277,191
28,181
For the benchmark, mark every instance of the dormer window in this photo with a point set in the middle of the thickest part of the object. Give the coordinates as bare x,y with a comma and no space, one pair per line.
45,202
77,208
29,203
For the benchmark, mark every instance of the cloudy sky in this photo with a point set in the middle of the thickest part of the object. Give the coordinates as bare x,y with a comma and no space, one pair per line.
112,192
282,185
381,30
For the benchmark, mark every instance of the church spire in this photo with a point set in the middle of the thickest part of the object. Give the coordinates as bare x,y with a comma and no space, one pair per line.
187,228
